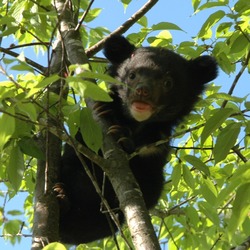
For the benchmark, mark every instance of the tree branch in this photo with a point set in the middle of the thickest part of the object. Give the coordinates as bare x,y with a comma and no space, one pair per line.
123,28
236,79
37,67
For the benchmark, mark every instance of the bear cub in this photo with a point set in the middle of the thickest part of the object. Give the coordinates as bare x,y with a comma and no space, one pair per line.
159,87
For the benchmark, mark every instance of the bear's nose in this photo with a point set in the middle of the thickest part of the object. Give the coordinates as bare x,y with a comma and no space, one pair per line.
142,90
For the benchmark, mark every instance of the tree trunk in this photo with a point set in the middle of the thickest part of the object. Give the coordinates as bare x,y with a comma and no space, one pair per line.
116,164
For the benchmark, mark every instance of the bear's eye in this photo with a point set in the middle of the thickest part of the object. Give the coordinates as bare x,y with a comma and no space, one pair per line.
168,83
132,76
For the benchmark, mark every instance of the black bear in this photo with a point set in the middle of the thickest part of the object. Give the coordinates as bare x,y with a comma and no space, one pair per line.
159,87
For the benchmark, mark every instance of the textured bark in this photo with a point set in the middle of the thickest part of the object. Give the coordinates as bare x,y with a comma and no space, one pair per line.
45,228
46,210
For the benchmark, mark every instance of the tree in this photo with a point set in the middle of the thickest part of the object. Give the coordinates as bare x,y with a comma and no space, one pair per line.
207,177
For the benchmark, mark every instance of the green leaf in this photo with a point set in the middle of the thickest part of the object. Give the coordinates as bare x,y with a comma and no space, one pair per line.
15,212
225,63
15,168
223,29
23,129
143,21
166,26
22,66
126,3
91,132
94,75
30,147
205,31
225,141
242,5
74,120
208,190
195,4
240,177
29,110
17,9
176,175
188,178
192,215
11,227
47,81
198,164
7,20
9,31
214,122
7,127
92,14
89,89
239,44
247,105
209,4
242,174
55,246
227,97
241,207
209,210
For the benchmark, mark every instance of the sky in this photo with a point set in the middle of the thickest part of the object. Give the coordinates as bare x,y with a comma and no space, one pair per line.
179,12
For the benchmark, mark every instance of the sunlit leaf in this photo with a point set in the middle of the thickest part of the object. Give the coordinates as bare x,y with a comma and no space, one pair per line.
225,63
205,31
240,177
143,21
209,210
29,110
188,178
208,190
223,29
192,215
239,44
166,26
15,212
176,175
55,246
214,122
91,132
241,207
209,4
126,3
92,14
47,81
7,127
11,227
241,6
195,4
15,168
9,31
226,140
198,164
227,97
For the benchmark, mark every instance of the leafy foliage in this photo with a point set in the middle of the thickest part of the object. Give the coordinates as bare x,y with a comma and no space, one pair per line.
208,174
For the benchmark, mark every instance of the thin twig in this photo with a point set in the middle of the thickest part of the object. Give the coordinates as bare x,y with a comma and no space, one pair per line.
37,67
78,26
236,79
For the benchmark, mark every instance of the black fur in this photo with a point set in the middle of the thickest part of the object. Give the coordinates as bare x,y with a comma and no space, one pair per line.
159,88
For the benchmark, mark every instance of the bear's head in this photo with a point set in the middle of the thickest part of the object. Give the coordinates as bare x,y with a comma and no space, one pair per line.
158,84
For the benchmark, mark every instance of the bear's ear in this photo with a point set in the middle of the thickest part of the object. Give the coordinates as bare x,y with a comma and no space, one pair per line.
117,49
203,69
